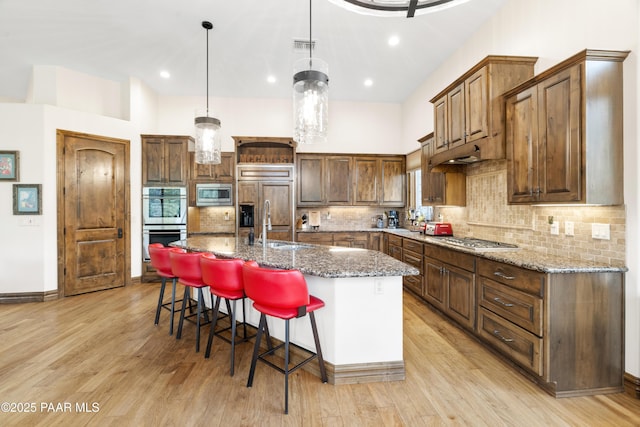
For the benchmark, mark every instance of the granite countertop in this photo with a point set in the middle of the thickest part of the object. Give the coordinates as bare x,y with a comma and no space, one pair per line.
524,258
315,260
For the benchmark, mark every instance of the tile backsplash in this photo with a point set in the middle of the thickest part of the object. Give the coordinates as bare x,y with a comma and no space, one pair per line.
488,216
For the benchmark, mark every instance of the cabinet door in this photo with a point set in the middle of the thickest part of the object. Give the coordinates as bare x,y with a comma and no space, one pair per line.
559,158
393,182
522,146
224,172
152,161
434,289
337,182
440,124
461,301
476,106
456,118
366,180
374,241
280,196
248,193
176,163
310,179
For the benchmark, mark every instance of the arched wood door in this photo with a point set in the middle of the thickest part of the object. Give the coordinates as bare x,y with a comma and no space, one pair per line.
93,213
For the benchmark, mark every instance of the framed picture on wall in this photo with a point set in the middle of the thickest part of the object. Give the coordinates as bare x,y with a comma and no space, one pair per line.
9,165
27,199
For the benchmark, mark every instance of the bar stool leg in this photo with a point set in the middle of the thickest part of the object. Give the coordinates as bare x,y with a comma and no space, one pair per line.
185,299
216,307
160,300
286,366
323,372
173,305
256,349
232,312
198,313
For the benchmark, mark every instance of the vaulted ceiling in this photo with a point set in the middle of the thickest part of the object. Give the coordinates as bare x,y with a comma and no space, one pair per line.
251,40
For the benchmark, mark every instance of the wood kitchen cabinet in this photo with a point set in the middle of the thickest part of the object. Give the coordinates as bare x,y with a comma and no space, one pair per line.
165,160
393,246
223,172
564,133
567,329
471,109
449,283
441,187
412,255
379,181
324,180
356,239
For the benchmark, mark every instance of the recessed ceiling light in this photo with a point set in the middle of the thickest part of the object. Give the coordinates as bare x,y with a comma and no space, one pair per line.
271,79
368,82
393,40
165,74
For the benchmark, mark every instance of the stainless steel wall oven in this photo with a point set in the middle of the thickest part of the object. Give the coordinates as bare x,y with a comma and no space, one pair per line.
164,215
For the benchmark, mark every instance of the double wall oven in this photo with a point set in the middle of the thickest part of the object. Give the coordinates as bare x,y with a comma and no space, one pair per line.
164,213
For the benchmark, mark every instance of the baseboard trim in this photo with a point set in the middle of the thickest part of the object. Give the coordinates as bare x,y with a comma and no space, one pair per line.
25,297
632,385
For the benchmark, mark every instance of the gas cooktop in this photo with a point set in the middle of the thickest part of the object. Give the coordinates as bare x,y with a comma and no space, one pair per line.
478,245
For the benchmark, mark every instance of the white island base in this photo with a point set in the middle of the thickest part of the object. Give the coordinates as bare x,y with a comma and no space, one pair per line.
360,328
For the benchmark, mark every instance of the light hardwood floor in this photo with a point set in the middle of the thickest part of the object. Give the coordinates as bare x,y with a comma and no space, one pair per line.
103,348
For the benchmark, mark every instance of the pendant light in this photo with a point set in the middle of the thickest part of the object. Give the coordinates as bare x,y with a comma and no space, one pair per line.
310,97
208,135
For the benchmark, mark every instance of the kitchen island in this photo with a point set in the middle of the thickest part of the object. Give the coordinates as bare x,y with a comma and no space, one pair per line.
360,327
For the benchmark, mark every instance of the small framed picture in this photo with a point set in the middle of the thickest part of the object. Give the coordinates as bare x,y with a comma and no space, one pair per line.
9,165
27,199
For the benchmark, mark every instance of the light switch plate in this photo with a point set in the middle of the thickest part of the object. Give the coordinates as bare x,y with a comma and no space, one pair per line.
601,231
555,228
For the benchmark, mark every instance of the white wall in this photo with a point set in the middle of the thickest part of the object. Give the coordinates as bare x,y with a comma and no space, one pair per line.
554,30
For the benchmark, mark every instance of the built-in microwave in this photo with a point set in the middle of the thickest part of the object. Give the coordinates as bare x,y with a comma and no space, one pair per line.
214,194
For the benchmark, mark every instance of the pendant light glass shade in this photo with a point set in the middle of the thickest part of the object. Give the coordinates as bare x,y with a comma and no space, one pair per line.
208,141
310,101
208,136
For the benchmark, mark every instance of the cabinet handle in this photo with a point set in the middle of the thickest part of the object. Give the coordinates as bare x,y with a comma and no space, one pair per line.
499,335
505,304
504,276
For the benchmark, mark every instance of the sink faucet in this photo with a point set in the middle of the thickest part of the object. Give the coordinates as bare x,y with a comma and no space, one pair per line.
266,222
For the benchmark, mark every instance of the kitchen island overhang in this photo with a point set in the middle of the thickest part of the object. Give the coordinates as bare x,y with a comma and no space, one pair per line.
361,325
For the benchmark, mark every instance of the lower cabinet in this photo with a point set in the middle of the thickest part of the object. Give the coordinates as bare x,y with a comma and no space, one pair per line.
412,255
449,283
362,240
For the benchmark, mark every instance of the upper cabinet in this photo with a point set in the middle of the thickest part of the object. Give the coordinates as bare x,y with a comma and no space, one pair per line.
440,187
165,160
366,180
469,113
223,172
564,133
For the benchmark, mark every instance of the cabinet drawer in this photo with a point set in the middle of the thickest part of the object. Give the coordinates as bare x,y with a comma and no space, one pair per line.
521,346
414,283
459,259
396,252
518,278
523,309
412,245
413,259
395,240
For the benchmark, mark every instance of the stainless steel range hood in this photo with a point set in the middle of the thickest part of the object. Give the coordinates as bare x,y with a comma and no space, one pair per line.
482,149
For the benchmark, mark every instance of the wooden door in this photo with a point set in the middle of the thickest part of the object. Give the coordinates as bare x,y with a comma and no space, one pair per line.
366,171
393,186
456,119
559,158
434,290
93,213
280,196
310,179
476,106
440,124
338,180
522,146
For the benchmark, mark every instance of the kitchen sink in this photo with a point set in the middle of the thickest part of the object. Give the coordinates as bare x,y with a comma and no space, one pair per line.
287,246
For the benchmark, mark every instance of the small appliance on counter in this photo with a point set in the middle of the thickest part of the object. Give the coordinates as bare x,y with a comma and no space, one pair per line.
246,216
438,229
314,219
392,219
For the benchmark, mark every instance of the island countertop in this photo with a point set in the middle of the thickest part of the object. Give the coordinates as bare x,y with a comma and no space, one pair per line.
315,260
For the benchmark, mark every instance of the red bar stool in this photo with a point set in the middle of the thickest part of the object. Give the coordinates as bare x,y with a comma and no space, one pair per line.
224,277
282,294
186,266
159,255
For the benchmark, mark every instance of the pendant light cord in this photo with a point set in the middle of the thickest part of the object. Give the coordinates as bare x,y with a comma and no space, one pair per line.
310,38
207,72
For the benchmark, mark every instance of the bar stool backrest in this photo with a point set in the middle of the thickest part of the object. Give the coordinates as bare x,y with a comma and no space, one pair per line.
159,255
222,274
275,288
186,266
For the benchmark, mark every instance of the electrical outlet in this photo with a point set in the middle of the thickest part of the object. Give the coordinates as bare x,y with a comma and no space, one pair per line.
601,231
555,228
226,216
568,228
378,287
